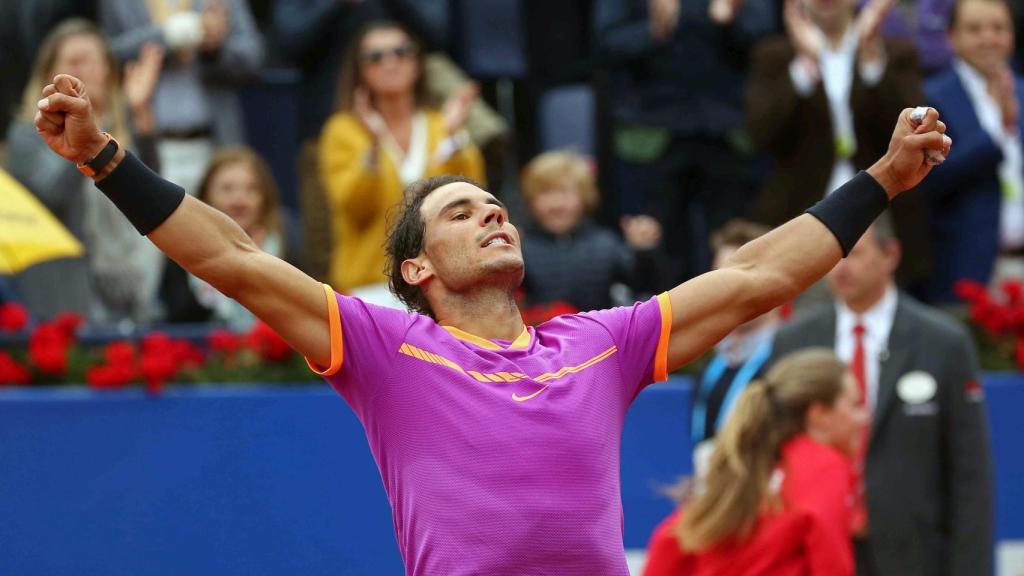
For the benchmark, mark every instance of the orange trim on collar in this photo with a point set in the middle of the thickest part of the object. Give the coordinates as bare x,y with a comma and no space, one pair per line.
337,342
521,342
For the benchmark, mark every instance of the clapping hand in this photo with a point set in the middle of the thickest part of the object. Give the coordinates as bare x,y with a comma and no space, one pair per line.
869,25
664,16
140,80
456,110
641,232
804,35
367,114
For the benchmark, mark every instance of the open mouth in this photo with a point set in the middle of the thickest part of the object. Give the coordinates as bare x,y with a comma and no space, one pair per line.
497,239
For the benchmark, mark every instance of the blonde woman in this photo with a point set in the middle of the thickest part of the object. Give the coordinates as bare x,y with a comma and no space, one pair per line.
117,277
381,138
778,495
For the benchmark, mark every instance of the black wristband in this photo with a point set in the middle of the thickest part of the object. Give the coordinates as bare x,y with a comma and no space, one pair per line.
850,210
140,194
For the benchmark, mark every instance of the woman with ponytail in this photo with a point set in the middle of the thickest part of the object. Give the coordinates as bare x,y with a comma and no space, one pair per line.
779,491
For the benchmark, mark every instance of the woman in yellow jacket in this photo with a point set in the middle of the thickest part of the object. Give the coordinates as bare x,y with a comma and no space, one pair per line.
382,138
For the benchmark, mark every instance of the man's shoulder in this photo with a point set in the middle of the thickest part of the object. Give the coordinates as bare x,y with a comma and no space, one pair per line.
933,325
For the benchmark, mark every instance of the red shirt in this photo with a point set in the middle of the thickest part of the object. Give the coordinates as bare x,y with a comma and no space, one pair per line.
809,537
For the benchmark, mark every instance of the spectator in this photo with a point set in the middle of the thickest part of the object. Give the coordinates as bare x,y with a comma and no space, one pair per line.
777,496
313,35
977,198
381,138
819,102
116,279
23,26
238,183
570,258
676,85
212,46
927,468
739,358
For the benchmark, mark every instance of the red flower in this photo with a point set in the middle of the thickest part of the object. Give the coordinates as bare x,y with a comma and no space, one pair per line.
68,323
11,372
119,353
970,290
224,341
100,377
155,341
13,317
1014,291
267,343
157,368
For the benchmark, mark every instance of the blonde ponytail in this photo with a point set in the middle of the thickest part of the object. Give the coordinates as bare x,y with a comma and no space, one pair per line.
768,413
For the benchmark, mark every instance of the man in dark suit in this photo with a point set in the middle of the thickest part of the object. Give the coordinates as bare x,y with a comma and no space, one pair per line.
927,467
976,199
818,102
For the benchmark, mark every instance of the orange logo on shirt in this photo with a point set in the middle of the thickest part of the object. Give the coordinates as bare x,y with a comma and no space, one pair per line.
420,354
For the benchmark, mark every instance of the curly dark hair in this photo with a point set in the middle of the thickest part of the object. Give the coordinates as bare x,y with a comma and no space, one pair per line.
405,238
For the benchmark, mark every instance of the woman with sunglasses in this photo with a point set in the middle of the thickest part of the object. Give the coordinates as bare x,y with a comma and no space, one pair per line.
382,137
778,495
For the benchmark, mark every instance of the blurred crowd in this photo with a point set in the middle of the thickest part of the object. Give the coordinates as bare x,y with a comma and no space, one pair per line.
623,133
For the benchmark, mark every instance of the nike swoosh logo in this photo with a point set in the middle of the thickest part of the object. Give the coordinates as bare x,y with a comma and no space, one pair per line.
519,398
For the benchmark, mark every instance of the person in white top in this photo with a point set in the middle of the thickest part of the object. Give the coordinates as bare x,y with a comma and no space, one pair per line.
927,472
815,103
977,201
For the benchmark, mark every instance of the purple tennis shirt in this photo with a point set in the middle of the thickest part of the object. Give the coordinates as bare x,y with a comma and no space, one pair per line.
499,457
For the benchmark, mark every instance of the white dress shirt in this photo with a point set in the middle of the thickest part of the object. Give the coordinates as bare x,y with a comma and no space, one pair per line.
836,66
1011,169
877,323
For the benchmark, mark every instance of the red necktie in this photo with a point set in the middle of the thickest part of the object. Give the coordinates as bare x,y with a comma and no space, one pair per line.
858,366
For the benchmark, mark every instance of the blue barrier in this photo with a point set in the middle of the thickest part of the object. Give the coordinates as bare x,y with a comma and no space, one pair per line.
264,480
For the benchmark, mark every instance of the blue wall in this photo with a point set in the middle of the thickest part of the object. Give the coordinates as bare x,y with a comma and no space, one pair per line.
255,480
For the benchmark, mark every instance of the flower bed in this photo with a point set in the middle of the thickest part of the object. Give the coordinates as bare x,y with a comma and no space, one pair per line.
52,353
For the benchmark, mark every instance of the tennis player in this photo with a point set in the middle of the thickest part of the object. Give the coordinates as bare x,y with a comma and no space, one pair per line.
498,443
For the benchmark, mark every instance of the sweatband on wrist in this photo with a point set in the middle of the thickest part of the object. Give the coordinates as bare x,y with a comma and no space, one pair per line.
849,211
140,194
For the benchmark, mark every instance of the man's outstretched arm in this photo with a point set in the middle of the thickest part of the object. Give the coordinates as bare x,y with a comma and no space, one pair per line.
776,267
201,239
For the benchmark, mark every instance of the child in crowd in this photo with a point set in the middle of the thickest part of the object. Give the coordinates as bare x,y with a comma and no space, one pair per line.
570,258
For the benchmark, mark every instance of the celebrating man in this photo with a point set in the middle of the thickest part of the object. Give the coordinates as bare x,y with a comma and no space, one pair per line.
498,444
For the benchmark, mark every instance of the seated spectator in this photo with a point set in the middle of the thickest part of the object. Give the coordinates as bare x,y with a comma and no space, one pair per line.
777,497
381,138
117,277
819,102
569,257
238,182
976,199
212,46
740,357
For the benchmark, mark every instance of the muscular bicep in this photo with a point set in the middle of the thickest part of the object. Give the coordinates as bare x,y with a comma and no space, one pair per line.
290,302
704,310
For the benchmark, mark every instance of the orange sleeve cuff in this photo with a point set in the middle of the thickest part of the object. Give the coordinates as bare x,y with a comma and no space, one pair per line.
661,354
337,349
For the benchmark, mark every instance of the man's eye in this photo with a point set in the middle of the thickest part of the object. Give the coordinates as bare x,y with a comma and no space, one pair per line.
460,216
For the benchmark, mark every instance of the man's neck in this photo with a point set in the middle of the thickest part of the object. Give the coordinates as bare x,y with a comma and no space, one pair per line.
491,314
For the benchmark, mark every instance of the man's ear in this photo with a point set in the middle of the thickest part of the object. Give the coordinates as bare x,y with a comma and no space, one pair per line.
416,271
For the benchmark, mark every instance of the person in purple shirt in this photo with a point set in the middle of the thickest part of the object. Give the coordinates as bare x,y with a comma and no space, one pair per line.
498,444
